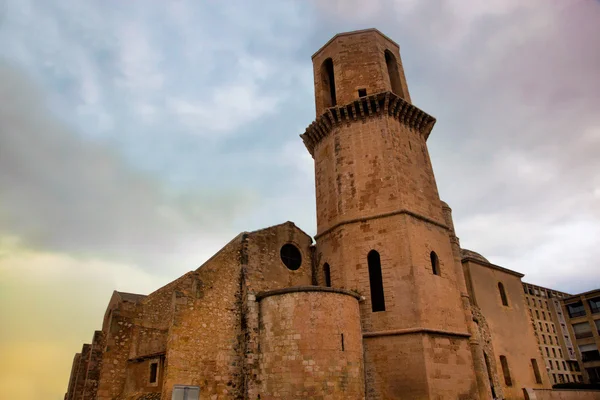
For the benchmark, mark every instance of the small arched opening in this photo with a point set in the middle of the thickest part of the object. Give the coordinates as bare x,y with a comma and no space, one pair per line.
328,83
393,72
376,281
502,294
435,263
327,275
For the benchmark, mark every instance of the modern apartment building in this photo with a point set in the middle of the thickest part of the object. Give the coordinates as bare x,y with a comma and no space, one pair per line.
582,312
552,333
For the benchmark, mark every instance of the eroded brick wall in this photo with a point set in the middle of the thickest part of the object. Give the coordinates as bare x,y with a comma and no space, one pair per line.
203,346
303,354
115,359
94,366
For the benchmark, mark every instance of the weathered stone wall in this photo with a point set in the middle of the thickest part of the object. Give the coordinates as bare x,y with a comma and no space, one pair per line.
147,341
73,377
94,366
114,361
203,346
138,377
565,394
265,270
84,361
303,353
506,324
371,167
358,63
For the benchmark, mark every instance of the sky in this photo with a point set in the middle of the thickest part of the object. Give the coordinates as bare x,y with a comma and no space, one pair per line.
138,137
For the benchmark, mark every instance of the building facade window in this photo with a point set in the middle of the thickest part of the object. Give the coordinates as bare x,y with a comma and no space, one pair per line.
536,371
328,82
435,263
376,281
394,73
327,274
502,294
153,378
505,371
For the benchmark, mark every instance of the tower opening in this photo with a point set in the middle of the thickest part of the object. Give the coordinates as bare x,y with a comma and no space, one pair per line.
435,263
376,281
328,84
392,67
502,294
327,275
505,371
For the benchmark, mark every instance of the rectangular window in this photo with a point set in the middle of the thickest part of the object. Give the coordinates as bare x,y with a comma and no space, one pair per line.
589,352
505,371
362,92
576,309
595,305
153,372
554,352
536,371
582,330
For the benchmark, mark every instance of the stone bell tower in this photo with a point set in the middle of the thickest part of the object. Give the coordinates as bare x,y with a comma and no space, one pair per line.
381,229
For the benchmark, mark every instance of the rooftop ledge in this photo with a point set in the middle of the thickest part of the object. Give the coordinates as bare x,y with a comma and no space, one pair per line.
378,104
310,289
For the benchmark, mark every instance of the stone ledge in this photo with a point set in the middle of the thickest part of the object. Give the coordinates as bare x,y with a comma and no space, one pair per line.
298,289
379,104
408,331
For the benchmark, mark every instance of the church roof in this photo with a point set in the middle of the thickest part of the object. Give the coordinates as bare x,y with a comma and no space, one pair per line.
465,253
132,297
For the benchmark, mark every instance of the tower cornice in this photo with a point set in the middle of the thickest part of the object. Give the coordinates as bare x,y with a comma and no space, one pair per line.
368,30
375,105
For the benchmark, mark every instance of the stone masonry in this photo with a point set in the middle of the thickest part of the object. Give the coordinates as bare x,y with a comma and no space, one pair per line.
383,304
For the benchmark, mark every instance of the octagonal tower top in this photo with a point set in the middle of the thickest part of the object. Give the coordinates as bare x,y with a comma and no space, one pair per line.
356,64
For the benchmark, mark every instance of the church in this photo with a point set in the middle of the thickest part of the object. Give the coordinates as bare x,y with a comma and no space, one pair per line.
382,303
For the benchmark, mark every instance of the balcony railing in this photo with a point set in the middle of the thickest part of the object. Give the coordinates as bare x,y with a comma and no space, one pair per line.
575,314
593,355
582,335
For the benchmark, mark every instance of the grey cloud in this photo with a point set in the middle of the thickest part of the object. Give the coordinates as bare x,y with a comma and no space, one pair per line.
61,192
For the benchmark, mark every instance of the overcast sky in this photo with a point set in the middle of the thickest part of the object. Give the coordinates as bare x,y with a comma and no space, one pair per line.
138,137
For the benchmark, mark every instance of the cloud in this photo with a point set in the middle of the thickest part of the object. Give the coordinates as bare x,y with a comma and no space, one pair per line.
64,193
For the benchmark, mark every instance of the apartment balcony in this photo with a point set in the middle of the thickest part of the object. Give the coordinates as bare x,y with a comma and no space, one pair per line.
583,335
575,314
587,356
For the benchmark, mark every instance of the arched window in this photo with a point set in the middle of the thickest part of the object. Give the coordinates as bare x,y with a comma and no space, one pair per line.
376,281
502,294
505,371
435,263
327,274
392,67
328,83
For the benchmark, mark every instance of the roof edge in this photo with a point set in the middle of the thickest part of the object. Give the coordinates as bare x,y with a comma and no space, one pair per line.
492,266
353,33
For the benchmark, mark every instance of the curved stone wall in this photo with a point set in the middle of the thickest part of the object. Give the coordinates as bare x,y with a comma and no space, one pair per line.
310,344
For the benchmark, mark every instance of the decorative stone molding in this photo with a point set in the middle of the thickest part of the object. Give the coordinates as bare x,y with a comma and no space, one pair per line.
379,104
296,289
